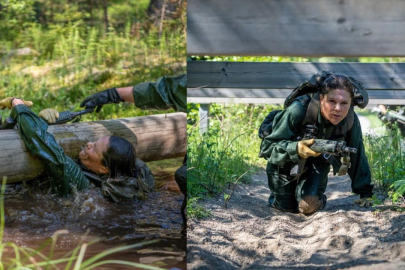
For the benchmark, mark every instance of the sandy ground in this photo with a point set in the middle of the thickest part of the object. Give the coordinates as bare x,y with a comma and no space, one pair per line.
251,235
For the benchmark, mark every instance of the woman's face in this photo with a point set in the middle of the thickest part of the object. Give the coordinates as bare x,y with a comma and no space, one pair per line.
335,105
92,155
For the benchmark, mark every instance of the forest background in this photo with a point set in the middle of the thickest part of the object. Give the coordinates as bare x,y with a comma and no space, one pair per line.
57,52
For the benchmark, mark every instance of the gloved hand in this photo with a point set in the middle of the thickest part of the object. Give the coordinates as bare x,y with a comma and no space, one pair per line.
364,202
6,103
101,98
303,149
49,115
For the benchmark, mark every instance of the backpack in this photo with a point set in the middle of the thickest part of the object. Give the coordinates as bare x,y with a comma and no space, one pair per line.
309,91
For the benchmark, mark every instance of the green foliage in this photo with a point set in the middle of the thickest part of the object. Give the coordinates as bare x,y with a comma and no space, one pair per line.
387,161
71,63
196,211
224,153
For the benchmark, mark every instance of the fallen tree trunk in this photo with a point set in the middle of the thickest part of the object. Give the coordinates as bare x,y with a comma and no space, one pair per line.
154,137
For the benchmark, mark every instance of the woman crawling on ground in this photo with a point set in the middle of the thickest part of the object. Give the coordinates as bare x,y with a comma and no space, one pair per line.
113,158
285,147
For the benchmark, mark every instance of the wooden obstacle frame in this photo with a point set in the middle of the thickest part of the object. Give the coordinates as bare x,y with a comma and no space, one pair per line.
309,28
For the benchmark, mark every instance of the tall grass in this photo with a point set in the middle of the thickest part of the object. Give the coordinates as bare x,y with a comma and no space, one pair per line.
217,158
70,63
386,157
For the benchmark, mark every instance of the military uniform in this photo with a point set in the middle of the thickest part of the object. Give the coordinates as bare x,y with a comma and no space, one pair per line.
280,149
167,92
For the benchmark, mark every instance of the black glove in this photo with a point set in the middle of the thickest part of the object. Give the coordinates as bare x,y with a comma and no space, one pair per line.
101,98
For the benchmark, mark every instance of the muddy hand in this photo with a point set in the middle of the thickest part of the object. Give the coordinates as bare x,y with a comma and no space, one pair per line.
364,202
49,115
6,103
303,149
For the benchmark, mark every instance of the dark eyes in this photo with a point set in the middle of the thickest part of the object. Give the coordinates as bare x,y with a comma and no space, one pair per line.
332,101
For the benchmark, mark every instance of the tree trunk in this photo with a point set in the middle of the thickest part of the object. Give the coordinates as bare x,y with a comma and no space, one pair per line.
105,7
154,137
91,12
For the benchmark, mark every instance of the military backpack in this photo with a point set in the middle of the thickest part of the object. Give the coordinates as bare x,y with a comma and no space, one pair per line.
309,91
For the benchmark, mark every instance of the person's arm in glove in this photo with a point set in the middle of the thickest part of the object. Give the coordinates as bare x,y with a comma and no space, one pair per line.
303,149
364,202
97,100
49,115
165,93
7,102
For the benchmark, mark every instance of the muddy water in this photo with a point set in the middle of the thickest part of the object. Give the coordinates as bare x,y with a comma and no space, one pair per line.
32,216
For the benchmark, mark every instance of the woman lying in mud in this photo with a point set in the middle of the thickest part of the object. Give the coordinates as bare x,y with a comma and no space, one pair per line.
125,176
330,109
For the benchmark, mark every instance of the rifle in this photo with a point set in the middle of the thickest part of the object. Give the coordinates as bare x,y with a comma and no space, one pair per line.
400,118
64,117
390,115
328,149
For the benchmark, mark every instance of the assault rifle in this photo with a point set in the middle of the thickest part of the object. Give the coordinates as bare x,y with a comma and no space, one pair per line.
400,118
396,116
328,149
64,117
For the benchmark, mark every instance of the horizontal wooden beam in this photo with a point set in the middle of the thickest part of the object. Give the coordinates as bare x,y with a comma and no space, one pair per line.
296,27
154,137
371,103
260,75
278,93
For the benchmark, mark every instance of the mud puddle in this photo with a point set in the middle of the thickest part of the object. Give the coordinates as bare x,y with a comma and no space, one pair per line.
33,217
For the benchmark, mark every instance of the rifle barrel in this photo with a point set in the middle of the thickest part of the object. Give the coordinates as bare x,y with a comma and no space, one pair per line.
396,116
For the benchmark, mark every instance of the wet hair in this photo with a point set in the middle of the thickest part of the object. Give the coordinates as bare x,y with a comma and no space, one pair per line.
120,157
337,81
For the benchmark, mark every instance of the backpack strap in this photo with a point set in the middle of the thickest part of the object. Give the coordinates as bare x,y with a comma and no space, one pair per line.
312,111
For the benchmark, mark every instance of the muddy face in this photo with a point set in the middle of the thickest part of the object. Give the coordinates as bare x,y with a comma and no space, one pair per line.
92,155
335,105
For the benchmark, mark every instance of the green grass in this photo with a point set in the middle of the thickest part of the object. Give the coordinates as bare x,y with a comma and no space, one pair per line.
386,158
73,62
219,157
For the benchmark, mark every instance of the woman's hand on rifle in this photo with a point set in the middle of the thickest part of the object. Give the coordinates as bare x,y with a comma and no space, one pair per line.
49,115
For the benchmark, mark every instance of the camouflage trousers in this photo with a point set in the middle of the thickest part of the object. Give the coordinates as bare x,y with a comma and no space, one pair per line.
287,194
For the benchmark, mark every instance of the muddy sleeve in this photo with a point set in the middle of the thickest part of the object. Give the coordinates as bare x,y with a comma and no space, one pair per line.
62,170
280,146
359,170
165,93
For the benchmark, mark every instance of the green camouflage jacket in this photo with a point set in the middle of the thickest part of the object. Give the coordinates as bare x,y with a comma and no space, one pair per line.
280,147
165,93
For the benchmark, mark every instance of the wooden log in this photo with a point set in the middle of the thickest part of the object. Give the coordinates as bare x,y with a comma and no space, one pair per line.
296,28
154,137
274,75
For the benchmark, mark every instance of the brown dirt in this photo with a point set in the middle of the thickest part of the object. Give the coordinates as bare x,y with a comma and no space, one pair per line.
251,235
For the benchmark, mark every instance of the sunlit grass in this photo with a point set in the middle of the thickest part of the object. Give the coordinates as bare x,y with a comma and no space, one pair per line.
84,61
229,149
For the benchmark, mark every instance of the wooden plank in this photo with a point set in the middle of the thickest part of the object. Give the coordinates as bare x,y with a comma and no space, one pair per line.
371,103
260,75
154,137
296,27
277,93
